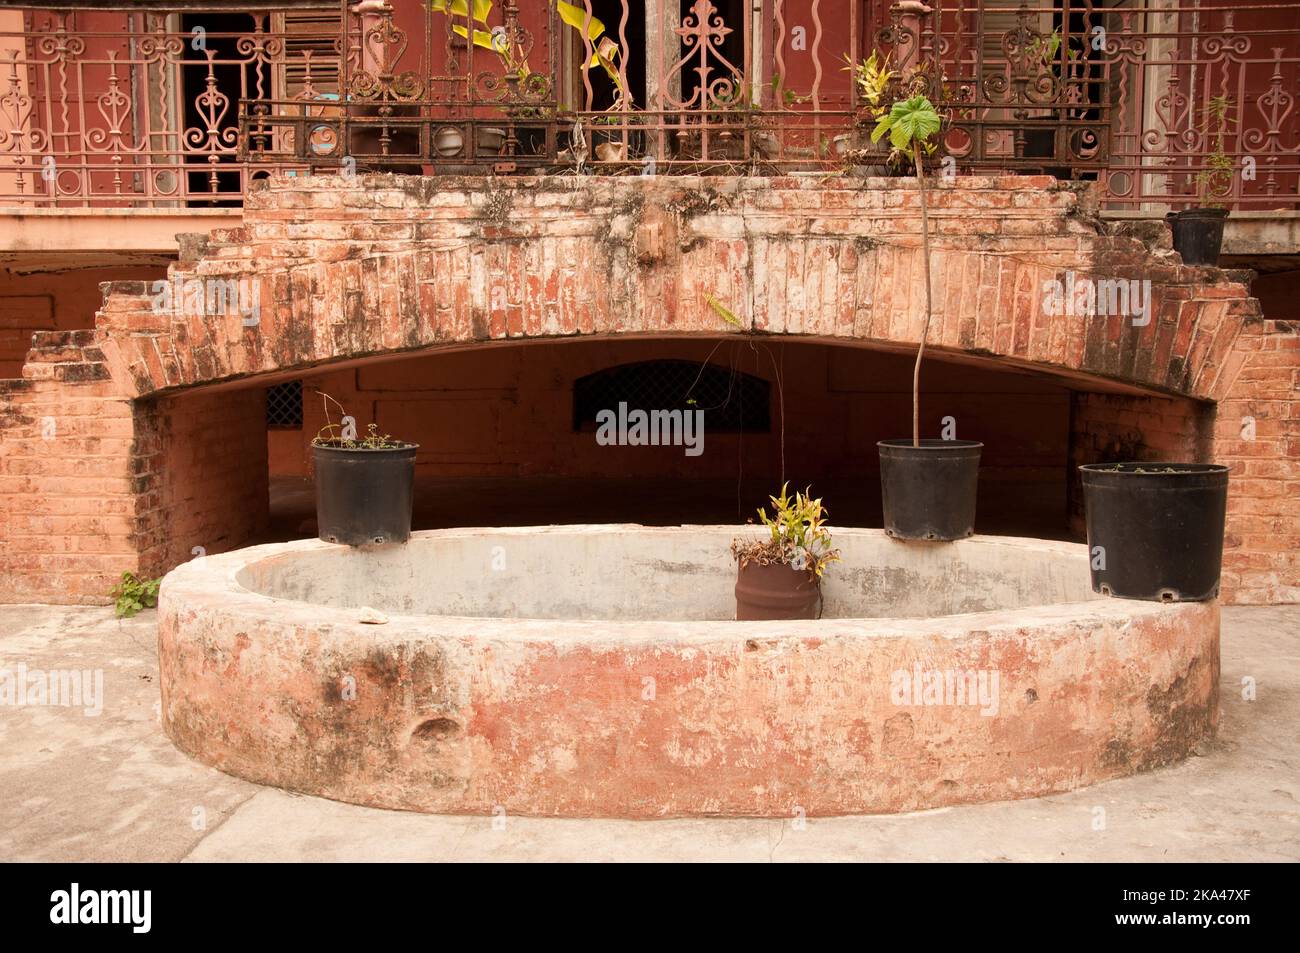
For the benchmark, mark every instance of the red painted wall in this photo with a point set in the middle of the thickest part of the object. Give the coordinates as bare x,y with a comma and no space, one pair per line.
507,411
53,301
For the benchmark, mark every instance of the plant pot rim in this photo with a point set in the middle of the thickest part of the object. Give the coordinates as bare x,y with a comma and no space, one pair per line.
1154,469
929,443
1200,211
784,565
402,447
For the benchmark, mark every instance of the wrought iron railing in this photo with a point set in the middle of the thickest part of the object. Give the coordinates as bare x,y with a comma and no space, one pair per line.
1163,102
140,107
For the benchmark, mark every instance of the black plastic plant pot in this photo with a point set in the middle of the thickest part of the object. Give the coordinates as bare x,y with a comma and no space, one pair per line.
1155,530
929,491
364,497
1198,234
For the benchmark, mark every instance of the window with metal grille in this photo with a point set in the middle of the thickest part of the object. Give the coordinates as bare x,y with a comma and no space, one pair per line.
284,406
733,402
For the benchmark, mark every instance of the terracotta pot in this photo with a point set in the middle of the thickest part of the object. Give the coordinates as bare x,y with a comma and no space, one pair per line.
611,152
776,592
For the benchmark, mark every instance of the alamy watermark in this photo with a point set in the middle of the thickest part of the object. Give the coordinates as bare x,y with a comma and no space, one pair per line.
201,297
971,687
131,908
1082,296
64,688
651,428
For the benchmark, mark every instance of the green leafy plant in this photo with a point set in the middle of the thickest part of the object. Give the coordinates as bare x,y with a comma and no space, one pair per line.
609,118
373,440
885,98
1043,51
134,594
1214,182
1051,63
1049,53
873,77
798,535
910,125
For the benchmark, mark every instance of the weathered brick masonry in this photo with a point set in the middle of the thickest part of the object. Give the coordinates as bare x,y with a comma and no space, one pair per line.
126,445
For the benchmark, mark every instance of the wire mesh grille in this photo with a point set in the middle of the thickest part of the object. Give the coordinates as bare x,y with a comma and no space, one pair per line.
284,406
732,401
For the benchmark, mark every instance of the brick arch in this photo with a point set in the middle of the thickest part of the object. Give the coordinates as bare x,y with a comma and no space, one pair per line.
347,270
344,270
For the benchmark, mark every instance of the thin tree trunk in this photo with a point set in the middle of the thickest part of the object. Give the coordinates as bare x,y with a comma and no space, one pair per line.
925,329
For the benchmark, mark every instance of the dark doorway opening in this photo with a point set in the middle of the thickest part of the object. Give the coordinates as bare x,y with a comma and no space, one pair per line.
506,435
631,36
210,97
730,48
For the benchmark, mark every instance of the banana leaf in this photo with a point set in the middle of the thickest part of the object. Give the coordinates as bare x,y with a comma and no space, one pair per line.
481,37
577,16
460,8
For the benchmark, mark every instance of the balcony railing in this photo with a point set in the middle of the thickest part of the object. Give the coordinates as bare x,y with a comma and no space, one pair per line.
1164,103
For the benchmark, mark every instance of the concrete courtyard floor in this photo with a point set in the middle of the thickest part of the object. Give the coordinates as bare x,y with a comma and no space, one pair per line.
112,788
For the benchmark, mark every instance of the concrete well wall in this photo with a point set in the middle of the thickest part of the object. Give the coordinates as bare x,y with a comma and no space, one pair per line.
617,717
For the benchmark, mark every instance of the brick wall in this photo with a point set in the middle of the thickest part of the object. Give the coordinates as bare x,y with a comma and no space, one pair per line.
52,301
1254,430
1257,434
68,500
351,271
1112,428
93,484
201,467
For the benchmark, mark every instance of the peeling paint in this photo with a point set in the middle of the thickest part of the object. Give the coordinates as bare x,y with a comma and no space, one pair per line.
549,716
